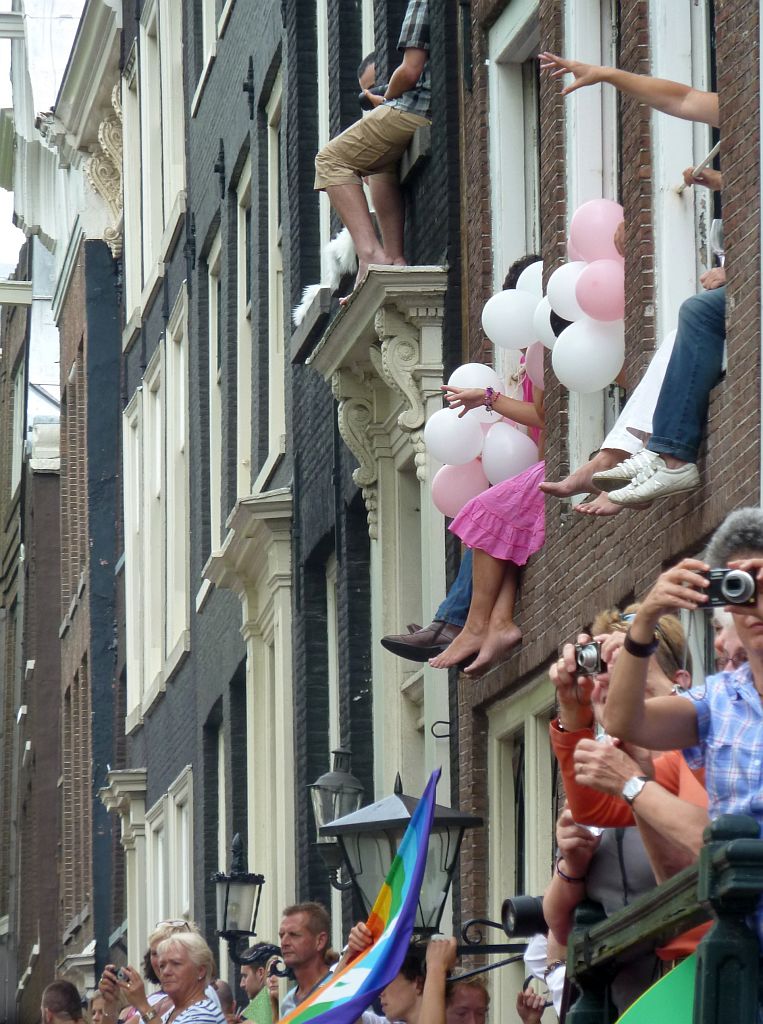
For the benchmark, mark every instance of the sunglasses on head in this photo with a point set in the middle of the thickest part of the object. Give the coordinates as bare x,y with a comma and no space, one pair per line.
180,923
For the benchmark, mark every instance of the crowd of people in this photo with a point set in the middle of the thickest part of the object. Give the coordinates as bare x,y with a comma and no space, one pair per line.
647,759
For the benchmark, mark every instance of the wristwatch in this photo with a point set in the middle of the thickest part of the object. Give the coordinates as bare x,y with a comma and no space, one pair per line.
149,1015
633,787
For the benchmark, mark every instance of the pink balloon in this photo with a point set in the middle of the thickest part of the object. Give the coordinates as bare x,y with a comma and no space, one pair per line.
600,290
572,254
453,486
592,229
534,364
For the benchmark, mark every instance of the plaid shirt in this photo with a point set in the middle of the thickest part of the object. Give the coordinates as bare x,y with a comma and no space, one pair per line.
730,729
415,35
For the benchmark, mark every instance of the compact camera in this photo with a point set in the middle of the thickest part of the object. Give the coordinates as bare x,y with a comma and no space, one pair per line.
122,975
376,90
730,586
588,658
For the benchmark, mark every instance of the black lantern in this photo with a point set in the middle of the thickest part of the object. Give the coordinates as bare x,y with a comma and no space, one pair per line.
335,794
238,901
368,841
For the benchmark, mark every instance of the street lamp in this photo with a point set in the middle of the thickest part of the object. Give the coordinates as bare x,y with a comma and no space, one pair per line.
238,900
368,840
335,794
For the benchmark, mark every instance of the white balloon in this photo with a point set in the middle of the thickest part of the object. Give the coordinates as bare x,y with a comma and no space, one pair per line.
475,375
561,290
452,439
484,416
507,319
589,354
507,452
542,323
531,279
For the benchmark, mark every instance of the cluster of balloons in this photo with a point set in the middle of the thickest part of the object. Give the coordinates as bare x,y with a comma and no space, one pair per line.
479,449
589,291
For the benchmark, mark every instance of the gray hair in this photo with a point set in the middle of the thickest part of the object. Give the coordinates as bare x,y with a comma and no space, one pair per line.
740,533
198,952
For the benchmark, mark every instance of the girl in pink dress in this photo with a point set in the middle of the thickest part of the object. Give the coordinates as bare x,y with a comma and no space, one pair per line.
504,525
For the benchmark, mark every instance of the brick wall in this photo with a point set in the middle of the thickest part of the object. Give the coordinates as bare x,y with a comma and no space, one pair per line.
587,563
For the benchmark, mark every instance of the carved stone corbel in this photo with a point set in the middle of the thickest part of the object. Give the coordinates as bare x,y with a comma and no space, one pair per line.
353,391
396,361
104,171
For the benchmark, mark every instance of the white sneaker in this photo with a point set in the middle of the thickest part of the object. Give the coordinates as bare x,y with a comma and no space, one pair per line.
624,472
655,480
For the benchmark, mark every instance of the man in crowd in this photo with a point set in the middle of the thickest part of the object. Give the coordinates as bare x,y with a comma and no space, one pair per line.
374,145
304,937
61,1003
253,978
668,463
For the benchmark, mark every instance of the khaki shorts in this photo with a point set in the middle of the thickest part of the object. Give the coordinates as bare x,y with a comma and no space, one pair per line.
372,146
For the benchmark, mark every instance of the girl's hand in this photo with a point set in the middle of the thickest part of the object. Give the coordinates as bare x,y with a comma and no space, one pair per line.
464,399
583,74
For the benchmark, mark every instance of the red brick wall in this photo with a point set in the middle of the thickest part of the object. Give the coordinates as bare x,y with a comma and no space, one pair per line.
589,563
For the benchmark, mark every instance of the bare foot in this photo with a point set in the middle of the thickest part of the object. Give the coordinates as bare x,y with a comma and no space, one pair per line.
602,506
494,650
383,261
463,648
580,481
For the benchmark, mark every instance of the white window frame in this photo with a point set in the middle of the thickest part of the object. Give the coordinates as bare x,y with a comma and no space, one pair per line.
172,104
528,711
515,183
180,844
244,337
157,863
223,838
591,132
367,31
208,32
132,421
149,93
322,97
214,394
154,532
132,184
177,518
17,434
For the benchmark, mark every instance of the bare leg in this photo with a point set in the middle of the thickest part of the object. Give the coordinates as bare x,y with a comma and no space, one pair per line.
580,481
488,576
503,633
388,204
350,203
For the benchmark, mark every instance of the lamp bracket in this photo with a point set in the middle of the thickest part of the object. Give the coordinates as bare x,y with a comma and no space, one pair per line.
337,884
474,943
463,951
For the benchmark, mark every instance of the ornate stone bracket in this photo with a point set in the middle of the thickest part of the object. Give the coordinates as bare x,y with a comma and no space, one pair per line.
354,393
104,171
396,361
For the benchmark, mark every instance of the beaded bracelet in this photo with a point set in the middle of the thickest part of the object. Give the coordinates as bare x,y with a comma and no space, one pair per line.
564,875
490,396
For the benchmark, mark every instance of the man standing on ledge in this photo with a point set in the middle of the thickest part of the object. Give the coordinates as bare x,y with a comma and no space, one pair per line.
373,147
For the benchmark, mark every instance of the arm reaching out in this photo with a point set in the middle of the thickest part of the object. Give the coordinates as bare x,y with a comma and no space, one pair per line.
673,98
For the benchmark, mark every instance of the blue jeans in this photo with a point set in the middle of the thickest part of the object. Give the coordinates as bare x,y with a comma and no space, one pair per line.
694,368
455,607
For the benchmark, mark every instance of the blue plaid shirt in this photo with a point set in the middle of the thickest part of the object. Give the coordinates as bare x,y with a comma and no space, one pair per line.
415,35
730,729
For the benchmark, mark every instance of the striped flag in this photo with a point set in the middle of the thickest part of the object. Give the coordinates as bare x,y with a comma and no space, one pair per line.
348,992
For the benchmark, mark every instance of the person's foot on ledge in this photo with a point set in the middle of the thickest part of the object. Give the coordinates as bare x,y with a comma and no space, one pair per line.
579,482
496,648
622,474
657,480
601,505
421,644
383,261
466,645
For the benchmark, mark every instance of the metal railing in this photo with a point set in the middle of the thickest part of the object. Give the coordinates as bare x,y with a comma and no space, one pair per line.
726,884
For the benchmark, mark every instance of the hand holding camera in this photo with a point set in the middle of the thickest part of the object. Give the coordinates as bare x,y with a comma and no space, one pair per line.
573,685
752,567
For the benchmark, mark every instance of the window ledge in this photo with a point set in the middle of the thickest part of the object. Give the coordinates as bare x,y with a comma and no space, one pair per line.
304,336
133,720
132,329
196,101
151,287
177,656
269,466
222,22
202,594
172,227
153,692
418,151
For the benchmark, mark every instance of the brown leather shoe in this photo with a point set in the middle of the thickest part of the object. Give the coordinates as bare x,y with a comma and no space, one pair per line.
424,644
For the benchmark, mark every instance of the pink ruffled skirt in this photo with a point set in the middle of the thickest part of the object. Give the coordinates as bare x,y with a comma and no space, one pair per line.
507,520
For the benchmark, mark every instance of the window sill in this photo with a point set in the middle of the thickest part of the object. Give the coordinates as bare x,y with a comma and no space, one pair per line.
151,287
133,720
177,656
132,329
419,149
270,465
202,594
172,227
196,101
153,693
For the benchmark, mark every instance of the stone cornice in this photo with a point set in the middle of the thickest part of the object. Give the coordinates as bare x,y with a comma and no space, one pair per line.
124,787
256,523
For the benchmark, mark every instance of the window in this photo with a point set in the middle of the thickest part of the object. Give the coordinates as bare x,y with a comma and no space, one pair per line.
180,800
214,393
177,503
19,415
521,793
156,861
276,410
322,96
149,88
172,108
244,334
133,513
131,169
223,839
153,517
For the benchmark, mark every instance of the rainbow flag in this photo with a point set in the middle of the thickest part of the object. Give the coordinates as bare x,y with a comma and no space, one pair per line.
349,992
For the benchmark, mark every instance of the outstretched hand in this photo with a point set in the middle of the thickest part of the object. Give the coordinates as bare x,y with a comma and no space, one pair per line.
583,74
464,399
